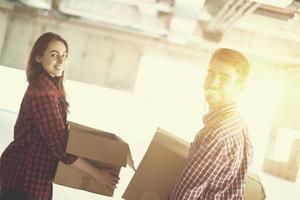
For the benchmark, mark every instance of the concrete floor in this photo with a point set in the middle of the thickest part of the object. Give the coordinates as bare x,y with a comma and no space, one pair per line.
275,188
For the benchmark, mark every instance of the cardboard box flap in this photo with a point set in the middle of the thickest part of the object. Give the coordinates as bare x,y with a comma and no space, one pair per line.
98,145
130,161
171,142
86,129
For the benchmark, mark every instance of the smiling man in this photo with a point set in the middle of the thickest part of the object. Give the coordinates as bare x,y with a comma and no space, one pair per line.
221,152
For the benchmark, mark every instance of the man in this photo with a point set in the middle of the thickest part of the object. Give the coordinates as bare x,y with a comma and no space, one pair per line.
221,152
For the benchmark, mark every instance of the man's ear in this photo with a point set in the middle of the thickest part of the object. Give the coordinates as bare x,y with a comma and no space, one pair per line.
38,59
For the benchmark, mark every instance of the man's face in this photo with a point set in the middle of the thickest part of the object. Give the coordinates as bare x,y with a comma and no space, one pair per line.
221,84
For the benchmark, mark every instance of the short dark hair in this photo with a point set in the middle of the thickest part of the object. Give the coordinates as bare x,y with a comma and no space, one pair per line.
233,58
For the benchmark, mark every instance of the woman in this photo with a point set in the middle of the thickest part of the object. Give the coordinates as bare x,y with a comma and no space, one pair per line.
28,164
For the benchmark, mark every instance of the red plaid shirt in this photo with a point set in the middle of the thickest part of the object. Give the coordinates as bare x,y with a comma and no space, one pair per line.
40,138
218,159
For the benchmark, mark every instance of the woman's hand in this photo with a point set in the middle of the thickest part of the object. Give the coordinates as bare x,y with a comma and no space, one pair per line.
107,177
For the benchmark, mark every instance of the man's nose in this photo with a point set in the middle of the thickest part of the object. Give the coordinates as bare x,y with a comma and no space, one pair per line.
215,81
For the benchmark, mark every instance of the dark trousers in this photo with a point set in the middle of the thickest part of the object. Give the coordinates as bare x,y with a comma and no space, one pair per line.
15,195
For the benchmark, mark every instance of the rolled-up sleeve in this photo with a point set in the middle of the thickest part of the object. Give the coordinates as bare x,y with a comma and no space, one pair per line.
50,123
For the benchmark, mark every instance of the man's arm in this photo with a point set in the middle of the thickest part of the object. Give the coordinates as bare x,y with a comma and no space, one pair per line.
204,164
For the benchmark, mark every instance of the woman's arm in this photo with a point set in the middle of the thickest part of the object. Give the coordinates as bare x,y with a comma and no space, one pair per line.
102,175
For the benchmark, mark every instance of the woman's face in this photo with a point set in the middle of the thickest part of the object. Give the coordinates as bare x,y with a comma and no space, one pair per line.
54,58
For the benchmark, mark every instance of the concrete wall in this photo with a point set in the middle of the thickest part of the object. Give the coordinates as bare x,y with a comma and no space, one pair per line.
3,26
99,55
94,57
109,56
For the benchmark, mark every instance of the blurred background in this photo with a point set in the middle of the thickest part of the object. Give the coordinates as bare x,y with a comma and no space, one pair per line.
136,65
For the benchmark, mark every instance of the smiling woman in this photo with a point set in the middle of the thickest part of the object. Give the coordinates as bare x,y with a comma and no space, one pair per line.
28,164
54,59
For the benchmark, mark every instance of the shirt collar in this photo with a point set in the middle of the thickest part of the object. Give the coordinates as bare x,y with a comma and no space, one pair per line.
47,80
217,114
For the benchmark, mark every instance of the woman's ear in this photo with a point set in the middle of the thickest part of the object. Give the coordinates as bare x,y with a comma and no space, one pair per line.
38,59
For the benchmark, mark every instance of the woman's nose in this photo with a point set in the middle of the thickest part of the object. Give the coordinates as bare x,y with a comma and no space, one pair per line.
59,59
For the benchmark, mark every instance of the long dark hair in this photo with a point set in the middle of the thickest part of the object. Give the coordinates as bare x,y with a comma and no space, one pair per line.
34,68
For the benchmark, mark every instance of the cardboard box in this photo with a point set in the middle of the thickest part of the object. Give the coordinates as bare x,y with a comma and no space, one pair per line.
158,171
101,148
254,188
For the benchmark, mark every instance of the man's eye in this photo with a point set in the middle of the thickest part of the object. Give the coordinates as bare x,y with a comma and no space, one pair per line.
64,56
210,74
54,55
225,79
